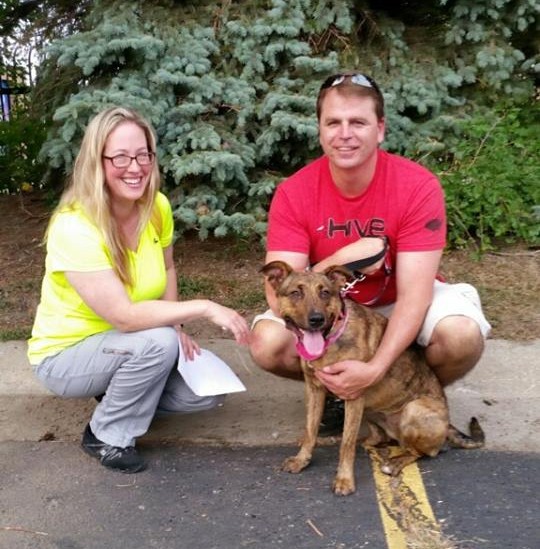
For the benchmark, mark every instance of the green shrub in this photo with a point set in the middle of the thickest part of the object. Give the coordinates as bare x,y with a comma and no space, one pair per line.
20,141
491,177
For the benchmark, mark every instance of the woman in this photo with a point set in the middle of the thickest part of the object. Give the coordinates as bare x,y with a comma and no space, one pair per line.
109,320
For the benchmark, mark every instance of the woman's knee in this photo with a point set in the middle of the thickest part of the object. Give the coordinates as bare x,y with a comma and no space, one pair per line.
160,346
154,350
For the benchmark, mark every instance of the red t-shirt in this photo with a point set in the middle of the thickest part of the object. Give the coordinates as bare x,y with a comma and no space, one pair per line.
403,202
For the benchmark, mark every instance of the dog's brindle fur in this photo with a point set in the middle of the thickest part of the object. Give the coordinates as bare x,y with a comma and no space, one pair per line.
408,405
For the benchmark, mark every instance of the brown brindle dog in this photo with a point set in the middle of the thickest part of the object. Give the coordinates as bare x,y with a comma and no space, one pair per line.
408,405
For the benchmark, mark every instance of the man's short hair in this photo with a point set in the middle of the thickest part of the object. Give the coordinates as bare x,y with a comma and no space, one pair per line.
353,85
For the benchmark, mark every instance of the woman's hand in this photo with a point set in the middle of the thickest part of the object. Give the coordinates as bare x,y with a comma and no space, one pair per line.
228,319
190,347
348,379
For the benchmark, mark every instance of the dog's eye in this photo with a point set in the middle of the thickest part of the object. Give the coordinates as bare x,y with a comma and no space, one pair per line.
325,294
295,294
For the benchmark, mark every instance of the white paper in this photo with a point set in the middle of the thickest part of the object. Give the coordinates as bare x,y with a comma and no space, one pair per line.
208,375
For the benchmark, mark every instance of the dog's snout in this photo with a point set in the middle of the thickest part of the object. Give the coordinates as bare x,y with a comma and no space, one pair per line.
316,320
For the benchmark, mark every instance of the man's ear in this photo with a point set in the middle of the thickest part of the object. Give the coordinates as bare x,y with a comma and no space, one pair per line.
276,272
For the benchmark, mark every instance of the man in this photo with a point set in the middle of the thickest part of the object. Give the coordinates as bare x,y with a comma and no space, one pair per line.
358,202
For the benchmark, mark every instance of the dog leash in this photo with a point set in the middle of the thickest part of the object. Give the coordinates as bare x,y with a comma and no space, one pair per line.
354,266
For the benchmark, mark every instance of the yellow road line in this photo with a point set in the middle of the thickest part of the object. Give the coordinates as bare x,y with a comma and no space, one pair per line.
404,506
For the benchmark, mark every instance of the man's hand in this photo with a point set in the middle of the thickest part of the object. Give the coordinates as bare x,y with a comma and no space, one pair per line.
348,379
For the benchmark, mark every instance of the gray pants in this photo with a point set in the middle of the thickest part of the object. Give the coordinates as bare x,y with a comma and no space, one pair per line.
136,371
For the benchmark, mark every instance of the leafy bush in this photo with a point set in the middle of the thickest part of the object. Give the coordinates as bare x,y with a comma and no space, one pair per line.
491,177
230,88
21,139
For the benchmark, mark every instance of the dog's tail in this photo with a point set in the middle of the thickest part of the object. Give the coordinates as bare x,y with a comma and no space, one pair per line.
476,438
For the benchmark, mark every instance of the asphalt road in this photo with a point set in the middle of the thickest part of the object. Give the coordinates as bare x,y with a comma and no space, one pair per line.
54,496
214,478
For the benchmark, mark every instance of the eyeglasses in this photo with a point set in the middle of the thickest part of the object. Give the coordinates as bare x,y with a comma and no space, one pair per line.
124,160
358,79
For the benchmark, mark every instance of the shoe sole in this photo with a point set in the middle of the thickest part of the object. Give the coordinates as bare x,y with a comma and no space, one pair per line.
136,469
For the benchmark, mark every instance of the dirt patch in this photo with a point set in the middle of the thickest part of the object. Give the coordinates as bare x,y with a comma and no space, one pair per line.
225,270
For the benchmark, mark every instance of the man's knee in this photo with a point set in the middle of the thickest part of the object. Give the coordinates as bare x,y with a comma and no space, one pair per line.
272,349
455,348
458,336
264,345
262,350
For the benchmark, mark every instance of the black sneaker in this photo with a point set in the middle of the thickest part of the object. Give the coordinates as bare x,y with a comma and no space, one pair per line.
333,417
125,460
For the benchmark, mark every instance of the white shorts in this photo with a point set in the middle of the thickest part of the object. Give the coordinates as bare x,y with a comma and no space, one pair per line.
460,299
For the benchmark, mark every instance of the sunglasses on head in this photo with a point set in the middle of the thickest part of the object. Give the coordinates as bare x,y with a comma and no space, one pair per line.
355,78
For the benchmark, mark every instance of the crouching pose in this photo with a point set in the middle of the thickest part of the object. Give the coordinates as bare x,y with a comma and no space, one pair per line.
109,321
382,216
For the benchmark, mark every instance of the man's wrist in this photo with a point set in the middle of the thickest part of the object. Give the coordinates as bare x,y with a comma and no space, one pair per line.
380,368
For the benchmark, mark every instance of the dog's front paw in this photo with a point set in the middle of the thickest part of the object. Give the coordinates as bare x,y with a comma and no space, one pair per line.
294,464
343,486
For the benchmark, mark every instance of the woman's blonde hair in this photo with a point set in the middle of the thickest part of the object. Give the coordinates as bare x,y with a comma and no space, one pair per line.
87,189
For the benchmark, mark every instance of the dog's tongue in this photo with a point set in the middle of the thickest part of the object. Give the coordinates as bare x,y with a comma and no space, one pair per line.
313,343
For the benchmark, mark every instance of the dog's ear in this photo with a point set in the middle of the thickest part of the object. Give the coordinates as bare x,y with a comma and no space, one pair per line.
339,274
276,272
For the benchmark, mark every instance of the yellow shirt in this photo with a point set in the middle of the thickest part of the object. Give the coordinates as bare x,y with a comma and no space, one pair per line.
74,243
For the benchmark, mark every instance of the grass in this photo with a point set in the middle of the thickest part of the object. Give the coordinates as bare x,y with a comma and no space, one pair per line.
15,334
191,287
235,294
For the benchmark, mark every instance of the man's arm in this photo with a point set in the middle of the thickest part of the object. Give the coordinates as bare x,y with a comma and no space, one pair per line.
361,249
416,273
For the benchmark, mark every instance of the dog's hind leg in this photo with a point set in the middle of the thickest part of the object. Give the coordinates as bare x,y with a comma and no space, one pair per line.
344,483
315,397
395,465
372,435
423,429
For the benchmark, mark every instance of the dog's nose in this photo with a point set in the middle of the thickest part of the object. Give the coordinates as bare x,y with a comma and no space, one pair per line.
316,320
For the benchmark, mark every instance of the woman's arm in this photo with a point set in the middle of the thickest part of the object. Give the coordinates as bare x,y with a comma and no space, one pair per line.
171,288
104,293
